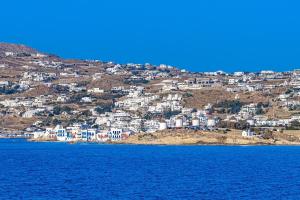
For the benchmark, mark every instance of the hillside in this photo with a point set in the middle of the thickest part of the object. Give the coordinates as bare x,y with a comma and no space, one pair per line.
16,48
38,91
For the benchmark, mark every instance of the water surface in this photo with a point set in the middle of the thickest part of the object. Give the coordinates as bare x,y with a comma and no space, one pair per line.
91,171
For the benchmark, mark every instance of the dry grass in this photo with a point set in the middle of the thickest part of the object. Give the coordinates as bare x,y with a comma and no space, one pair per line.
233,137
107,82
16,123
185,137
202,97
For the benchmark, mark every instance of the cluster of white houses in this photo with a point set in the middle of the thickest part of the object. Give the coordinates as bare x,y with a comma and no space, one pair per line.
82,133
119,125
137,110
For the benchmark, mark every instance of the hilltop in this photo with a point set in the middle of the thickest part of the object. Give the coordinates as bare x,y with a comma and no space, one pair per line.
16,49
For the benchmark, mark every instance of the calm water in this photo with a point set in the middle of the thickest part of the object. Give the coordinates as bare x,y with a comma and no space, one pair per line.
89,171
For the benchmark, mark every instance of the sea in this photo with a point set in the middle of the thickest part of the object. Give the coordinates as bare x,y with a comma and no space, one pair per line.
30,170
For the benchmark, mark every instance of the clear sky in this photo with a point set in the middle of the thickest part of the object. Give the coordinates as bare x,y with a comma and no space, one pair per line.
200,35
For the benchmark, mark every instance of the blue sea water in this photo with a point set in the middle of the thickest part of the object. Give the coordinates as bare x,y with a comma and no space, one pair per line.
92,171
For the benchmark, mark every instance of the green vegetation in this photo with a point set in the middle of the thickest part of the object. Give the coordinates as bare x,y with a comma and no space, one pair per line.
9,89
57,110
241,125
100,109
228,107
295,125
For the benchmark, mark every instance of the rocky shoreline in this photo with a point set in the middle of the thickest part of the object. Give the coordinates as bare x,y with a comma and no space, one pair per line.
192,137
183,137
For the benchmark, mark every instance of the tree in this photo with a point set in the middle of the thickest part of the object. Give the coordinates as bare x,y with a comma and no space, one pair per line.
103,108
168,114
228,106
57,110
86,113
60,89
295,125
56,121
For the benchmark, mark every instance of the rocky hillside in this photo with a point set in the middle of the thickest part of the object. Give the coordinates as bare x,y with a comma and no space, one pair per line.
16,49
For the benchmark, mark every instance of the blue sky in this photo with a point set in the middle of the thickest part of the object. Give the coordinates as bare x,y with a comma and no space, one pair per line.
200,35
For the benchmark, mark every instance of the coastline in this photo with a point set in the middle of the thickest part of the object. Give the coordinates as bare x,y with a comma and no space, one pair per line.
182,137
232,138
124,142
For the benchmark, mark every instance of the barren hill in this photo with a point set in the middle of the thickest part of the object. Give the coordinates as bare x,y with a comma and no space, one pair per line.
16,48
